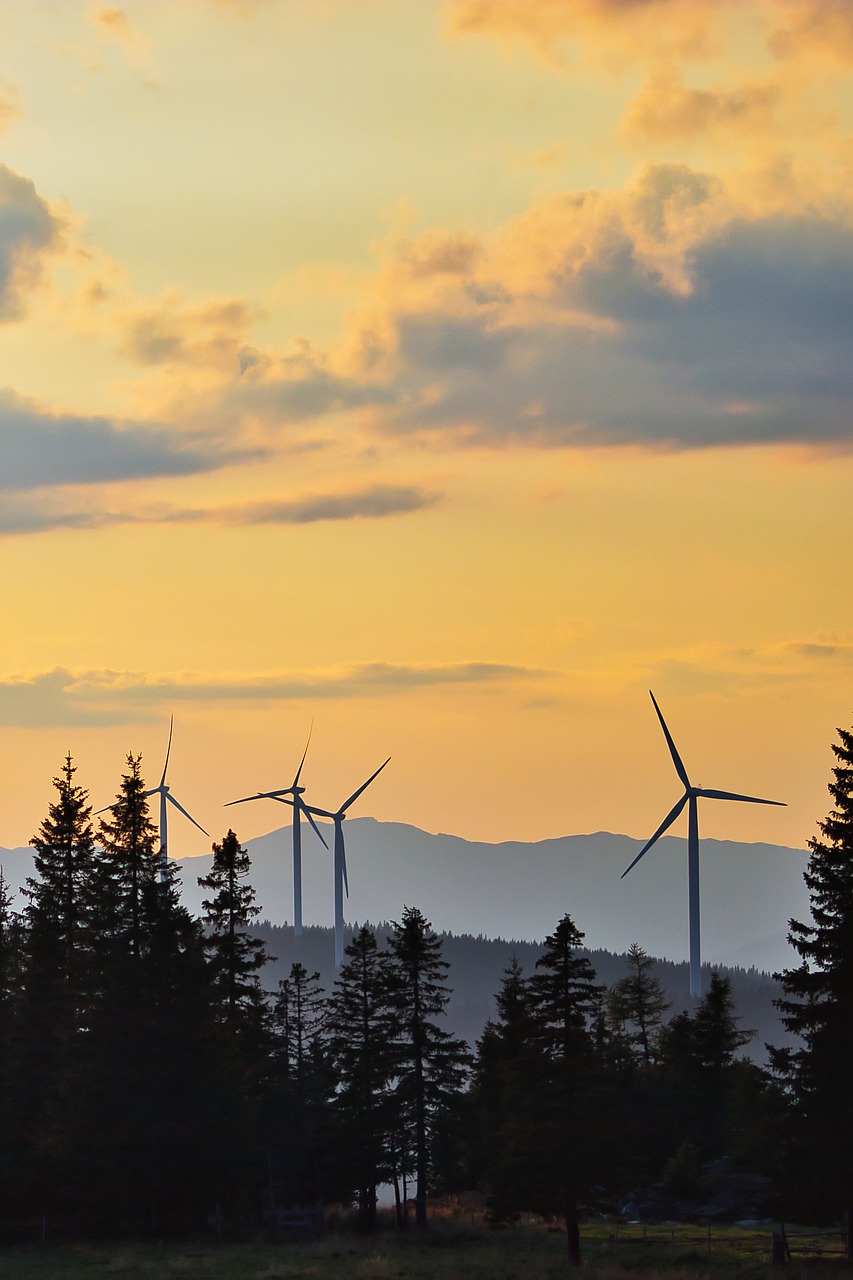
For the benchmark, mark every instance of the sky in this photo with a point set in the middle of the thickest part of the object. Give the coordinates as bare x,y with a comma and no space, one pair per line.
444,374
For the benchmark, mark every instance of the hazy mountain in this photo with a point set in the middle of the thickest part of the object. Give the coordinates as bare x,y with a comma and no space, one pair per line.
519,891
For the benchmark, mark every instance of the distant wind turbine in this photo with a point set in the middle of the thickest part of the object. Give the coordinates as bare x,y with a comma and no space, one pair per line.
162,790
299,807
341,880
690,798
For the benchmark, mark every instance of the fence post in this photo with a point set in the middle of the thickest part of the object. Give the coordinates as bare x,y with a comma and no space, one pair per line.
779,1251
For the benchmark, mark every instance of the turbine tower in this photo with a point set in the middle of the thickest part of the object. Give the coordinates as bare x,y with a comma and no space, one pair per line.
166,798
690,798
341,880
299,807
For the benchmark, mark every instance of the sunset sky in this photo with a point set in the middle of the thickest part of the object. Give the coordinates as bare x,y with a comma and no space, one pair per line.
448,373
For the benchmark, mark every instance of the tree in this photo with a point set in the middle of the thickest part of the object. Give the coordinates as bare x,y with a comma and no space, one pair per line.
130,864
60,895
361,1027
155,1081
431,1064
637,1003
57,981
235,957
817,1005
564,998
11,966
301,1091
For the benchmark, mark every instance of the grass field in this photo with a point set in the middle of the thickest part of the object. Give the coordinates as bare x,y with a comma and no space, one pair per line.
451,1251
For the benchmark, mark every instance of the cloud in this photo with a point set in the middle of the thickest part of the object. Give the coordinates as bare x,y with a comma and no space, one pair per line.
112,24
375,502
666,109
41,513
29,232
666,315
208,335
300,386
61,697
39,448
624,28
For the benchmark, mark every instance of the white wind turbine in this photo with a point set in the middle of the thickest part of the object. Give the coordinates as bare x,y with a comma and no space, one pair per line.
341,880
690,798
166,798
299,807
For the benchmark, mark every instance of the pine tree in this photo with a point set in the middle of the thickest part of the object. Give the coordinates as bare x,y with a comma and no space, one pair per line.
130,863
56,1002
565,1110
498,1091
300,1097
11,970
60,895
236,958
637,1003
431,1063
817,1005
361,1026
155,1083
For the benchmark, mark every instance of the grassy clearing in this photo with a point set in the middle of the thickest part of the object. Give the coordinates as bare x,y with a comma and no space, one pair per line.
451,1251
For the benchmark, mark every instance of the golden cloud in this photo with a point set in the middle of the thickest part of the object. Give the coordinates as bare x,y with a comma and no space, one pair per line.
207,335
668,109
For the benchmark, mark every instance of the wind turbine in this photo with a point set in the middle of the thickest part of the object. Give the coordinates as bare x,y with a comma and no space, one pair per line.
690,798
299,807
162,790
341,879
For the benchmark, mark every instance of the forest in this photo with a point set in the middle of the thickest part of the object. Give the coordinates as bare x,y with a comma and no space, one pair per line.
150,1084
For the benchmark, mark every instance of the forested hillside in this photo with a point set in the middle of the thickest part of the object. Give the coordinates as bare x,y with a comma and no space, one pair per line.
477,966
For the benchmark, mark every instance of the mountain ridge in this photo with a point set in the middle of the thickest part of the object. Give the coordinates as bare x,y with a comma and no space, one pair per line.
517,890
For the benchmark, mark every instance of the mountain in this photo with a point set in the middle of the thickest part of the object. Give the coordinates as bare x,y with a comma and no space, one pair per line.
517,890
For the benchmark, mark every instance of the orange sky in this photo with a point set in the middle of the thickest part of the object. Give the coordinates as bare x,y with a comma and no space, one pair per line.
448,374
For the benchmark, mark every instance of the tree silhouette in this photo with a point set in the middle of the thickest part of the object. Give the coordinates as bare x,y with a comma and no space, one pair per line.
818,1006
431,1064
637,1004
361,1026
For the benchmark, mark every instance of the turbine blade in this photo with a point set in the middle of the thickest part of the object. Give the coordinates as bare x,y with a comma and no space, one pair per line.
155,791
344,867
304,754
676,758
310,816
733,795
356,794
258,796
667,822
178,805
168,750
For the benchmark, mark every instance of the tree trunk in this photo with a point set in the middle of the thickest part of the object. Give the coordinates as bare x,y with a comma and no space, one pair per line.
573,1235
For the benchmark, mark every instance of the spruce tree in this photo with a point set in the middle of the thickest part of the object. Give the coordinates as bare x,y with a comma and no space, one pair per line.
637,1004
60,895
361,1026
11,969
817,1006
564,1110
235,957
301,1091
55,1009
431,1063
130,862
155,1084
